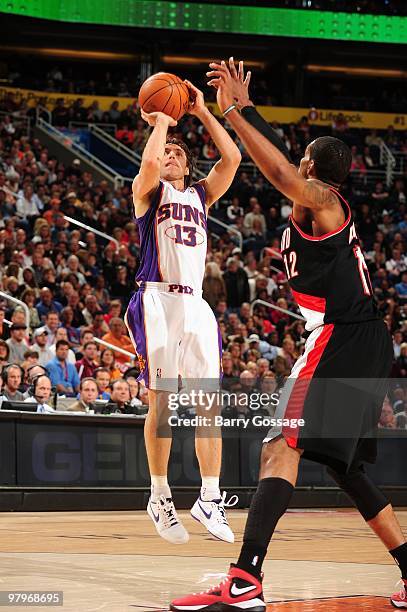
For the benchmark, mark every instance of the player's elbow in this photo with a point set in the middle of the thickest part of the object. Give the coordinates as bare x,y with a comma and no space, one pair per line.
150,165
235,157
285,182
147,178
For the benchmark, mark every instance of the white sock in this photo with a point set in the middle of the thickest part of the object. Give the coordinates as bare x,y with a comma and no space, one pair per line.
210,488
159,486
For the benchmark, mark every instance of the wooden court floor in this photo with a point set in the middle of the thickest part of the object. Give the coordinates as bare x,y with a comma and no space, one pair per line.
114,561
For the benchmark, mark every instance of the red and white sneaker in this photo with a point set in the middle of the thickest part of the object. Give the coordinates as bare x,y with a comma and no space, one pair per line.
238,591
399,600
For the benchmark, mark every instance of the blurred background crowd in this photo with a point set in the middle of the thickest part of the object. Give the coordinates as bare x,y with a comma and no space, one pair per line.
76,284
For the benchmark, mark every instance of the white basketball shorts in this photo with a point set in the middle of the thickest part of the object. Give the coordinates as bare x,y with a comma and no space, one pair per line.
175,334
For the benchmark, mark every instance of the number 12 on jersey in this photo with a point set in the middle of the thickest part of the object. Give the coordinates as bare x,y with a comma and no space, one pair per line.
290,259
290,262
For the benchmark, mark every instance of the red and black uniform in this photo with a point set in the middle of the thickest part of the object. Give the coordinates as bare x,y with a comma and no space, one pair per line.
328,275
338,385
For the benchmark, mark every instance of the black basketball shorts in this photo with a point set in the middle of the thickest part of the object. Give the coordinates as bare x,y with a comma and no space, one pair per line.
331,403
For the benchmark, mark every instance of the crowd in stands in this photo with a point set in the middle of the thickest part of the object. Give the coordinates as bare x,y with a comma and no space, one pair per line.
77,286
84,79
131,131
70,79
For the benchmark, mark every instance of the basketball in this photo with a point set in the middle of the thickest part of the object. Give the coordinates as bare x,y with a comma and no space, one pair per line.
164,92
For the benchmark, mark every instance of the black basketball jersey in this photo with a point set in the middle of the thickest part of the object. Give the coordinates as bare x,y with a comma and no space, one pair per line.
328,275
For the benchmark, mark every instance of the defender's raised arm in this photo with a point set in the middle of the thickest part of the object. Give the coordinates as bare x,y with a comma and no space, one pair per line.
272,163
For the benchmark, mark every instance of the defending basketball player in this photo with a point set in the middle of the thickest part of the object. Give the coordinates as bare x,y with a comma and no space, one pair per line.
173,329
348,341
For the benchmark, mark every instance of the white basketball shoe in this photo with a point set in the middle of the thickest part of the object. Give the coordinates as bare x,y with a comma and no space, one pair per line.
164,516
212,515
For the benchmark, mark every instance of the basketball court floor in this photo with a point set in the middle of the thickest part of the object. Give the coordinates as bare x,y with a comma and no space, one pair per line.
114,561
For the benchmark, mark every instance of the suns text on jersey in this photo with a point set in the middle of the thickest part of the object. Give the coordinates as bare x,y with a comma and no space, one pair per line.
181,212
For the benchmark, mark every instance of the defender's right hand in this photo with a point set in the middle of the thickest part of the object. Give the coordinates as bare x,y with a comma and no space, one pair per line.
153,118
238,82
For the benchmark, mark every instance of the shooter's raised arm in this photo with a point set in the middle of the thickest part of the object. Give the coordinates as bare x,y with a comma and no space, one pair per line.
147,180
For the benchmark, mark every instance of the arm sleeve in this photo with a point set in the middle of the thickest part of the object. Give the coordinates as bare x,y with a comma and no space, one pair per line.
253,117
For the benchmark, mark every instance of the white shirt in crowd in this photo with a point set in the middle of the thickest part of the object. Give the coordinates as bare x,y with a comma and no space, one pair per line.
71,354
42,408
26,208
50,338
45,354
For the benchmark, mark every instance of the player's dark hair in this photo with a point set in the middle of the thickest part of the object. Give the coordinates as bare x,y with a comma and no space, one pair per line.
190,159
332,159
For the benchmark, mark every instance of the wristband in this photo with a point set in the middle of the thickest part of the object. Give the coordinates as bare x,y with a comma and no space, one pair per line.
229,109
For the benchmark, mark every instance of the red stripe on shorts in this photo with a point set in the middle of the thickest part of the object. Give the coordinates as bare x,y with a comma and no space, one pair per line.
295,405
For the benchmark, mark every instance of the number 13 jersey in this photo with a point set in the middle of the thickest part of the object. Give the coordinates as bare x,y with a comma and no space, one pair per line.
173,237
328,275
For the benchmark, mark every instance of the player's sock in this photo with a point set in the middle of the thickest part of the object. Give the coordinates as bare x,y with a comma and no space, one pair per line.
159,486
399,554
268,505
210,488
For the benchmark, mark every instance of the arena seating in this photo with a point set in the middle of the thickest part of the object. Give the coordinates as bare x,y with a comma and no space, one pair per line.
88,280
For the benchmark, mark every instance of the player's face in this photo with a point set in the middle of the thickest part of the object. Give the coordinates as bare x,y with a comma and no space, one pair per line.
174,164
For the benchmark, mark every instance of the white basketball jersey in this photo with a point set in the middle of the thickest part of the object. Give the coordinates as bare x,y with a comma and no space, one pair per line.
173,235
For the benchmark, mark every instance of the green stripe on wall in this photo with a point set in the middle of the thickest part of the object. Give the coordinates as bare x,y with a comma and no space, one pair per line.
217,18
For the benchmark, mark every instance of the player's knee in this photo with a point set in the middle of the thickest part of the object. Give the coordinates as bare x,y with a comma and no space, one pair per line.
276,452
366,496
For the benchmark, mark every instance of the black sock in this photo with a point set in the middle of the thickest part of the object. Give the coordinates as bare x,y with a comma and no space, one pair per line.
400,556
268,505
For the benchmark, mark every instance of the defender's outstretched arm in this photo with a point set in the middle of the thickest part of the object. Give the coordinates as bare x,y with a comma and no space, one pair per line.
270,161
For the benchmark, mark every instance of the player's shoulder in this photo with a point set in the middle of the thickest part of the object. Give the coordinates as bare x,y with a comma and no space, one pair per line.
199,189
322,193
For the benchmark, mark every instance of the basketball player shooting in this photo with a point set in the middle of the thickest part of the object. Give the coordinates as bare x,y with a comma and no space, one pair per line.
347,340
173,329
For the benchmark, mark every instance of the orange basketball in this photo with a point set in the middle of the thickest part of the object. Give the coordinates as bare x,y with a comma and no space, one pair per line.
164,92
